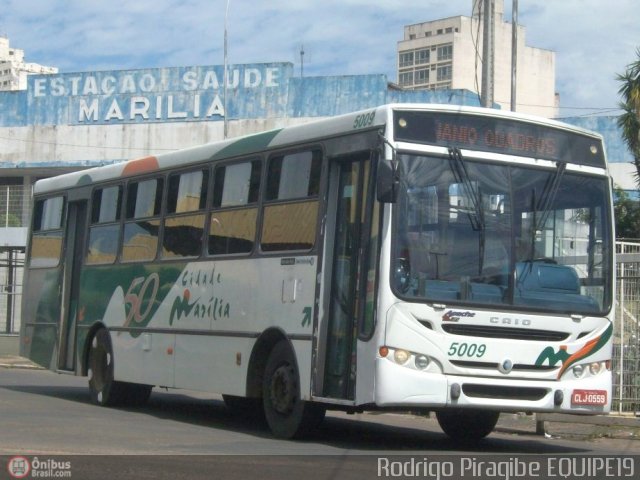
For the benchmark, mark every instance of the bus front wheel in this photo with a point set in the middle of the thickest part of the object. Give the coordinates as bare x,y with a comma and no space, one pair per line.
104,389
467,425
287,415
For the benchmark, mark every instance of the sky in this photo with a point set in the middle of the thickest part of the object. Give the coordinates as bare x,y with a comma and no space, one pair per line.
593,39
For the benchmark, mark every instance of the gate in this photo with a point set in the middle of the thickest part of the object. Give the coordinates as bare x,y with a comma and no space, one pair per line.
626,349
15,201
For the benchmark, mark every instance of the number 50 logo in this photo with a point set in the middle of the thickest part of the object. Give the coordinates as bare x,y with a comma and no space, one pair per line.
140,298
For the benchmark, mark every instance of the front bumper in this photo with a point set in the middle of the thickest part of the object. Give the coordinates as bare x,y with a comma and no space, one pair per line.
399,386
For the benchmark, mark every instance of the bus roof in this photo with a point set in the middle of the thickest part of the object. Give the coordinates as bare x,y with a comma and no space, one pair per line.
249,144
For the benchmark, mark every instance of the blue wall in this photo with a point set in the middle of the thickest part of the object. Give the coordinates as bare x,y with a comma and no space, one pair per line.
615,147
192,94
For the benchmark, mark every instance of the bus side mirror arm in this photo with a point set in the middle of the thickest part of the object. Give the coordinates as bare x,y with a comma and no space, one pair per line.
387,180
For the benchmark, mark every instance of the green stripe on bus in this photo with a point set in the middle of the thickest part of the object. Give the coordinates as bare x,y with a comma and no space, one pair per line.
246,145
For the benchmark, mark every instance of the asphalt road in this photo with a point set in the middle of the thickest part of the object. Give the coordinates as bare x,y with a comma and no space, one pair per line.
183,434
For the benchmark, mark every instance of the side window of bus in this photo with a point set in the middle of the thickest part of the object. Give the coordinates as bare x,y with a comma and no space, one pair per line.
184,223
142,223
104,232
291,212
46,242
235,213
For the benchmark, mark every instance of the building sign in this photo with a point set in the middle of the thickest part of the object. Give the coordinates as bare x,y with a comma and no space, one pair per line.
162,94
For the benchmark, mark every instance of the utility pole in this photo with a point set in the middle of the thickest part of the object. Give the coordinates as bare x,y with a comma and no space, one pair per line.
225,74
301,61
488,52
514,53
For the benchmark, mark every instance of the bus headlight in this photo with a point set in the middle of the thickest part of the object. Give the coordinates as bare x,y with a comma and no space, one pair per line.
578,370
401,356
595,368
422,362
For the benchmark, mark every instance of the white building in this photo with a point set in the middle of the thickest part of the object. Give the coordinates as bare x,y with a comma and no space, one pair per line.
447,54
14,70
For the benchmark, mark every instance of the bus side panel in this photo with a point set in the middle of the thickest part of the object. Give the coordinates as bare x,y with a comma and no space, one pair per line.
41,316
124,297
215,364
194,325
247,297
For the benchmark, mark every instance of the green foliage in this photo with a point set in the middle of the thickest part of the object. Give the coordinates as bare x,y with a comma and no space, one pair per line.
627,215
13,221
629,120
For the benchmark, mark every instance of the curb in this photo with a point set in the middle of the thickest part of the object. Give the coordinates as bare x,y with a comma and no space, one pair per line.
601,420
18,363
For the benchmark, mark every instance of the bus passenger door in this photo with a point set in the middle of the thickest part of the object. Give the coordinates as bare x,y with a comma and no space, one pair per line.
346,282
72,258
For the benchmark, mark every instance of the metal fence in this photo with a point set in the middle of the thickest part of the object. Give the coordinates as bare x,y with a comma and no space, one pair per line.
11,272
15,205
626,348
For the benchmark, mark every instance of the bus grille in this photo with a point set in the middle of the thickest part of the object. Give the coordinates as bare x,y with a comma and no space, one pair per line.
494,366
505,332
502,392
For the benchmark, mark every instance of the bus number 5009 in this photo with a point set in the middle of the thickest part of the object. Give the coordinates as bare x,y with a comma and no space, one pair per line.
467,350
364,120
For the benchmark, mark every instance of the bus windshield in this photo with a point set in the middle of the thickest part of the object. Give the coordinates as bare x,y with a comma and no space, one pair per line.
509,236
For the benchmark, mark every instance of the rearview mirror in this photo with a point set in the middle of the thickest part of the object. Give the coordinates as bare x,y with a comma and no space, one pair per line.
387,182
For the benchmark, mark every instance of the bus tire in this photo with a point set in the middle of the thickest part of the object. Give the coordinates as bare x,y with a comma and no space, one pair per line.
287,415
105,391
467,425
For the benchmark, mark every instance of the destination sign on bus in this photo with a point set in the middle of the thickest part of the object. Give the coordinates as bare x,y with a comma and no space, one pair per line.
500,135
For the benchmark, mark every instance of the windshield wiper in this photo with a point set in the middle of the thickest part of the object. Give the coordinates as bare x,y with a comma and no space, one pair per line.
459,169
476,217
544,205
548,196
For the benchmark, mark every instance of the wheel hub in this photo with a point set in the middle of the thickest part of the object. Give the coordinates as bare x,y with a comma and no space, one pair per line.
283,389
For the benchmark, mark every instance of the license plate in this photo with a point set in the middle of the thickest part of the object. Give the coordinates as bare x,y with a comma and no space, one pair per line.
589,397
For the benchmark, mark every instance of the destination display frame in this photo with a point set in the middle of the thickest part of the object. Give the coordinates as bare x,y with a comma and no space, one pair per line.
498,135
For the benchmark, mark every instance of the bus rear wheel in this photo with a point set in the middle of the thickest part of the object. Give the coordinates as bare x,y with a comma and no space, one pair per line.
467,425
104,389
287,415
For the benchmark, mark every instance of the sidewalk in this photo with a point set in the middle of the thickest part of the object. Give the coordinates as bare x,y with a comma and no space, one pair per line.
582,427
14,361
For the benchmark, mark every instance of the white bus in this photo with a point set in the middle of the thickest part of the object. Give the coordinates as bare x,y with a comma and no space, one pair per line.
420,257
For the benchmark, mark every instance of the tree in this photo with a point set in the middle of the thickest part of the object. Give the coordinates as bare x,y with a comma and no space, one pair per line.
627,215
629,121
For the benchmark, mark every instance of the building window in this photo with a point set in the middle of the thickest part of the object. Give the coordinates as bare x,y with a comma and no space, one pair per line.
422,56
444,73
448,30
445,52
422,76
406,79
406,59
439,31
